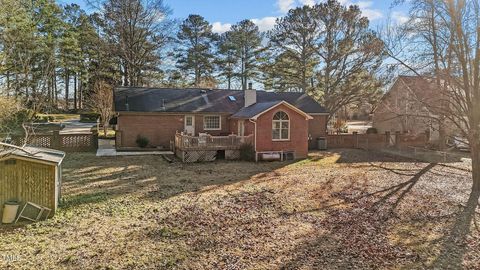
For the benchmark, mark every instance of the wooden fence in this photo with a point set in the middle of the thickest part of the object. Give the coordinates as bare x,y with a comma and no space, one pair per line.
375,141
82,142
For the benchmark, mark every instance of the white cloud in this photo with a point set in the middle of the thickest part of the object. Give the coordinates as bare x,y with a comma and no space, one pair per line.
307,2
285,5
399,17
218,27
372,14
365,7
265,24
364,4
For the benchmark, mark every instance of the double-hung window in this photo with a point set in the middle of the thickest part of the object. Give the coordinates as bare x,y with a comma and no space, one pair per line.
212,122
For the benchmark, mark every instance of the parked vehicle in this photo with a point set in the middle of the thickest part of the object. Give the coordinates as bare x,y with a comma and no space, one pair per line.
459,143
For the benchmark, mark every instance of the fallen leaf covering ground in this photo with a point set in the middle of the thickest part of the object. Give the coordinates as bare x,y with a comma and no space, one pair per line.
345,209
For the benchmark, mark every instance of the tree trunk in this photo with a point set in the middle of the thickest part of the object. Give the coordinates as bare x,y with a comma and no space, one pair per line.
67,88
475,155
105,126
75,92
80,94
55,88
8,83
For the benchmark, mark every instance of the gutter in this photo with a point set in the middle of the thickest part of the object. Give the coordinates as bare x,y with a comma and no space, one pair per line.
255,141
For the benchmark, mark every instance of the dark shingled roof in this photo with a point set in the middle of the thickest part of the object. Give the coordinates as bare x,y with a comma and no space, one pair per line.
201,100
251,111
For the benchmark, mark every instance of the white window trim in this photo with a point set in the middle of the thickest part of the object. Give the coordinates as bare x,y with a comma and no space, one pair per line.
219,122
289,127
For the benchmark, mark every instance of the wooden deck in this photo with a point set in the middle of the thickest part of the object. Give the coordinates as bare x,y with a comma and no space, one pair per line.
208,142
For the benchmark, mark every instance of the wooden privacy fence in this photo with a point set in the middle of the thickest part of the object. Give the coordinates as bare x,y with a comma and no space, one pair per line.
81,142
375,141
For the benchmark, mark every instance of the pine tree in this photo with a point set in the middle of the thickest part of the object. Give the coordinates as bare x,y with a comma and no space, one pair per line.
195,55
226,59
293,43
137,31
350,54
247,42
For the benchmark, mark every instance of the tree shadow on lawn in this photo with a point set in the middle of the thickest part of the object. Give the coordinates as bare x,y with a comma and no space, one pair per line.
89,179
354,157
359,229
455,244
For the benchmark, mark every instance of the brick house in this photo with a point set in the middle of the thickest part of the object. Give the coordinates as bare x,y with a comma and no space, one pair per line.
272,122
409,107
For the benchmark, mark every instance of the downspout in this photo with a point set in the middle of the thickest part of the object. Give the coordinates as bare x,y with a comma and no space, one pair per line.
255,141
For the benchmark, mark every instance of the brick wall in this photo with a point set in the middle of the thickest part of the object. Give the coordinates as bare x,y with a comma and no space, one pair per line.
298,141
158,129
317,127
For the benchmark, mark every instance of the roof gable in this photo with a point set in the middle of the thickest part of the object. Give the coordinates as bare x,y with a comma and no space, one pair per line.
421,89
256,110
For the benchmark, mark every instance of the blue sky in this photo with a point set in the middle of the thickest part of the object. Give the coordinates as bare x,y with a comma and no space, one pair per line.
223,13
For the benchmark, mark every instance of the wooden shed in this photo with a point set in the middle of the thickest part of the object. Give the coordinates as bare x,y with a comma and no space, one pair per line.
31,174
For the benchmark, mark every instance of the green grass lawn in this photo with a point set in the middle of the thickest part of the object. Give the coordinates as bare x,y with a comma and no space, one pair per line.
345,209
60,117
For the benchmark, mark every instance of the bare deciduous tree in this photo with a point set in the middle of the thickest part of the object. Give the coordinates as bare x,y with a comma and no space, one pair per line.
445,43
101,101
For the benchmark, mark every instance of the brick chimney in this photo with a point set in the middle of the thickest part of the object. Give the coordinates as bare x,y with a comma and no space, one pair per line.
250,96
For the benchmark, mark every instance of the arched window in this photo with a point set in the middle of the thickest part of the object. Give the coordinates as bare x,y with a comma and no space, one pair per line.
280,126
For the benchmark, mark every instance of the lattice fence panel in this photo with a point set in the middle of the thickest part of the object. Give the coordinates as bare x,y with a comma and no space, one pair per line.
34,140
199,156
77,141
232,154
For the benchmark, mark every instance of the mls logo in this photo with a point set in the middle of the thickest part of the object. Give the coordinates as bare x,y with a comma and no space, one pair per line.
10,258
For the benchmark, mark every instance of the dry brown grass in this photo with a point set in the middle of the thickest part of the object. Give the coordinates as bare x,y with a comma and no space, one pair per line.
339,210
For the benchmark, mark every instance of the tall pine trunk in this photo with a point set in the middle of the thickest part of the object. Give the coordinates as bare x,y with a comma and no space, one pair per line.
67,89
8,83
80,94
75,92
55,88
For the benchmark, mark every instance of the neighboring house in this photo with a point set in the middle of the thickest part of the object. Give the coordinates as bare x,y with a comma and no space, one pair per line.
409,107
277,121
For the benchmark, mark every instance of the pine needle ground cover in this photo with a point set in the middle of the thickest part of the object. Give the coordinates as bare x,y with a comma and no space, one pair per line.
347,209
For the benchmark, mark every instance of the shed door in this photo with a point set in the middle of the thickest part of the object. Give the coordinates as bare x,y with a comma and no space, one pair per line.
190,125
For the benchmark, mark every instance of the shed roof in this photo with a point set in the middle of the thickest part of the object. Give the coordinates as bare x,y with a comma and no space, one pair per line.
35,154
193,100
